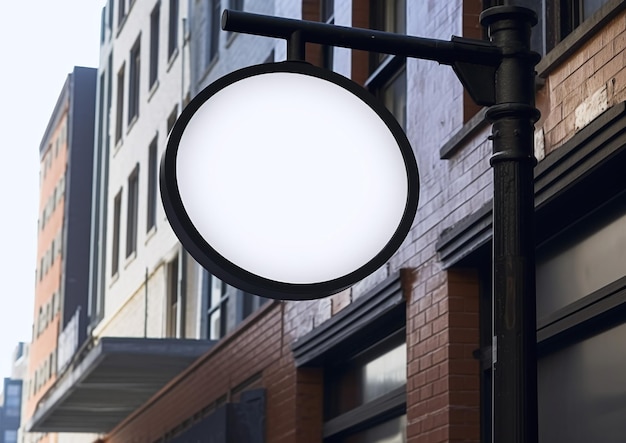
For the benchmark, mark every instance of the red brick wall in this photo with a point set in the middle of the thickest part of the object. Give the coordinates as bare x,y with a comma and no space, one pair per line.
259,345
443,376
599,63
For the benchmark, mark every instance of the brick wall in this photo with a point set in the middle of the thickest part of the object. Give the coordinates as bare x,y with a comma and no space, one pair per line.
589,81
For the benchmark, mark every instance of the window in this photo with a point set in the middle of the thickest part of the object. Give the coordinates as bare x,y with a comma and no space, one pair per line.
387,79
131,220
171,119
173,319
119,118
218,308
121,12
363,354
13,400
214,31
134,81
227,305
10,436
567,15
328,16
155,17
115,250
102,25
173,29
364,396
153,172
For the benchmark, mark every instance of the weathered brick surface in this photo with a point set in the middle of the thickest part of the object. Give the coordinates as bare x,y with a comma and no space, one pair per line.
599,63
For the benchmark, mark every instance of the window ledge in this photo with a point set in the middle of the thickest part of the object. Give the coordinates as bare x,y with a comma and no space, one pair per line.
120,25
153,90
131,124
209,68
231,38
115,277
130,258
151,233
172,58
118,146
579,37
470,128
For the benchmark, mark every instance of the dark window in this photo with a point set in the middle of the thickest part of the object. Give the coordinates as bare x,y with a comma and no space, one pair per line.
152,183
171,119
102,25
115,250
328,16
387,79
134,81
155,17
119,119
121,12
131,220
172,328
373,379
569,14
173,29
214,31
110,9
227,306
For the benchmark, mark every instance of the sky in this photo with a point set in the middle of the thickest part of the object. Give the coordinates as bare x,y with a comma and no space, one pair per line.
41,42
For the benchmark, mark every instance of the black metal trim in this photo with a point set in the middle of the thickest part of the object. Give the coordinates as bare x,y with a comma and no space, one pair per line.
236,276
380,409
380,311
584,316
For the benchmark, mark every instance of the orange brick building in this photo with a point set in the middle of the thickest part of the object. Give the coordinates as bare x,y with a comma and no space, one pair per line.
63,236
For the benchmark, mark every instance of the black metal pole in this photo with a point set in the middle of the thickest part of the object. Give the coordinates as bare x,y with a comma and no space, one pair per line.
514,323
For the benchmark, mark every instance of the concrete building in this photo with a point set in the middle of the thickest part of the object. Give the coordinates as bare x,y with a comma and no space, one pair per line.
10,411
403,355
143,291
60,318
12,394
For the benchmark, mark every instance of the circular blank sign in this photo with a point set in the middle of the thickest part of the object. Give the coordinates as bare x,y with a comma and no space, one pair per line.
289,181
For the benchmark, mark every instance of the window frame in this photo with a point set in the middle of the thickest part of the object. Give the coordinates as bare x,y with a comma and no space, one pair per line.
119,115
132,211
213,33
155,18
115,240
172,43
152,194
134,81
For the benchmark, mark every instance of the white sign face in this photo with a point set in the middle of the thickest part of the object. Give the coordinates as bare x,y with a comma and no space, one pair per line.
292,178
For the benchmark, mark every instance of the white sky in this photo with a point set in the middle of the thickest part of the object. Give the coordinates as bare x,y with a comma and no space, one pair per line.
41,41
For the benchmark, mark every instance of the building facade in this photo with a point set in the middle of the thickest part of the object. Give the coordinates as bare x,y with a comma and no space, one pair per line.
12,394
404,355
60,318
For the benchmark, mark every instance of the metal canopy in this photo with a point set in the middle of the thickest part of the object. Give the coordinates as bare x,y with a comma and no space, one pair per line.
116,377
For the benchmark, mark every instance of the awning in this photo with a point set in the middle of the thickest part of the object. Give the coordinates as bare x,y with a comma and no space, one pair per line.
113,379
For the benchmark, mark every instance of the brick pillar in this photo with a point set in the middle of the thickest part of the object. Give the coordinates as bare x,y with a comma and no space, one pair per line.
309,405
443,377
